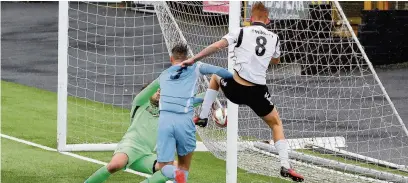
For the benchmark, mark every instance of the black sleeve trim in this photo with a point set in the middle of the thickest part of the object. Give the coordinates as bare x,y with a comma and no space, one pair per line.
134,112
277,41
241,34
154,166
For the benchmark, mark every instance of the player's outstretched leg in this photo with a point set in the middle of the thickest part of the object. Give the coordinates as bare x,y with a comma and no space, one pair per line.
118,161
209,98
281,145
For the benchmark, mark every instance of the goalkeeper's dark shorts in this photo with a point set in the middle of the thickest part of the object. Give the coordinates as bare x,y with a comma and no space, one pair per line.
256,97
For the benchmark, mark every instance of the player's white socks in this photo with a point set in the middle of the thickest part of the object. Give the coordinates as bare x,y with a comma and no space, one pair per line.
282,147
209,98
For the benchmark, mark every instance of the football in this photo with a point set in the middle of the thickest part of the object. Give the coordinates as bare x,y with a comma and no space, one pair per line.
220,117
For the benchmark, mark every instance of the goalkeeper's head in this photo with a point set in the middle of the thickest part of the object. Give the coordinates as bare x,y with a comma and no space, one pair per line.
154,99
179,53
259,13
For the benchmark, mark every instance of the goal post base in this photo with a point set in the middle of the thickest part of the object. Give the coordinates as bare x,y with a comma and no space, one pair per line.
358,157
303,143
335,165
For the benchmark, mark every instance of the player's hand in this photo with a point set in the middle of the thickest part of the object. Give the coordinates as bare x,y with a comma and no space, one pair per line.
187,62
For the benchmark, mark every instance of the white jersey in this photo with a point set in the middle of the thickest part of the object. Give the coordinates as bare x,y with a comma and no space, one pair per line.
253,48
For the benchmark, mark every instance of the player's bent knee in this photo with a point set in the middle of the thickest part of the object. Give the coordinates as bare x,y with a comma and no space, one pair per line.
273,118
115,166
215,82
215,77
118,162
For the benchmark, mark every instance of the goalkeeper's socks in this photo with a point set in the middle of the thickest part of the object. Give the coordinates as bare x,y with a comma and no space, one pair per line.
99,176
157,177
209,98
282,147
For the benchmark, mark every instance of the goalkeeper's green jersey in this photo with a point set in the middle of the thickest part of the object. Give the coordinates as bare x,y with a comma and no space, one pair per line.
142,133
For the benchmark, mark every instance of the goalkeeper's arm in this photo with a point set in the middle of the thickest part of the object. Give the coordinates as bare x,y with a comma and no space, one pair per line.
198,99
144,96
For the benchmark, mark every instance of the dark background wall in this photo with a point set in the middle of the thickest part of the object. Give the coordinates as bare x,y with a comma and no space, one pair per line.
384,35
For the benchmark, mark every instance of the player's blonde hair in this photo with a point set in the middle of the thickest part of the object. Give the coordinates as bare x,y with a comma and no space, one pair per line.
259,11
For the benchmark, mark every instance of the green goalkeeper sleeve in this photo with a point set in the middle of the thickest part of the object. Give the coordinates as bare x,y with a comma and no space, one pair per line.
198,100
143,97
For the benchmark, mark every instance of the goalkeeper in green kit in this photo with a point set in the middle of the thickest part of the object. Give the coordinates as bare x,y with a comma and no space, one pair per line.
136,150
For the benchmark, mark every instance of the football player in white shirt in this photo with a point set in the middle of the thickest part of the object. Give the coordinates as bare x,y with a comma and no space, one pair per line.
255,48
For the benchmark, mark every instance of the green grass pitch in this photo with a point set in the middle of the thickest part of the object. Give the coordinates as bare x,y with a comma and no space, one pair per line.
31,114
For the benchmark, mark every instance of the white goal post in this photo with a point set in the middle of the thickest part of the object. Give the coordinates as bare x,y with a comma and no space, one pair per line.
232,128
337,116
62,75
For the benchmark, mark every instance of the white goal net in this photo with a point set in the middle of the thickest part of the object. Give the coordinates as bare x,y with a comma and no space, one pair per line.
113,52
336,114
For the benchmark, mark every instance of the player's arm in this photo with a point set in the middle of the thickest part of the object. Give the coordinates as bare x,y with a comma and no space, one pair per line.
211,69
276,55
213,48
144,96
230,38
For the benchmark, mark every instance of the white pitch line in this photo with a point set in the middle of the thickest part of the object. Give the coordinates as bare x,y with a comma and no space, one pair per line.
67,153
27,142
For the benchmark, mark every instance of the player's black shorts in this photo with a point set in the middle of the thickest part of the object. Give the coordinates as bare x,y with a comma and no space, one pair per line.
256,97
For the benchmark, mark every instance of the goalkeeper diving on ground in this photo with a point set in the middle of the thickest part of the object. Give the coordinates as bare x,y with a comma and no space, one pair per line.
254,48
136,149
